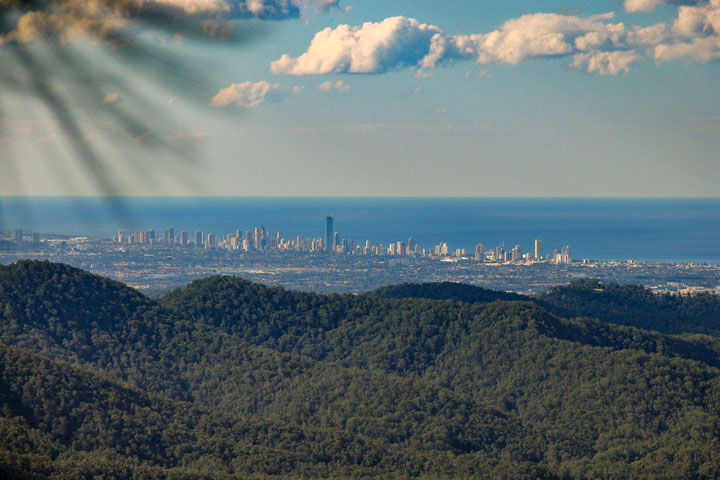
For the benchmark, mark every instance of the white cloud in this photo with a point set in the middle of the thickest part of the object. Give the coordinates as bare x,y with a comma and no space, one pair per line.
549,35
642,5
634,6
250,95
698,20
695,34
704,49
605,63
339,86
649,36
401,42
371,48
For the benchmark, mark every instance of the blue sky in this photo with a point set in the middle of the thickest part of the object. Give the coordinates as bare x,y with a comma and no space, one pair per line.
372,98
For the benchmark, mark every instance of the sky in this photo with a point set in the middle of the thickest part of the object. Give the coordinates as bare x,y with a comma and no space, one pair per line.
361,98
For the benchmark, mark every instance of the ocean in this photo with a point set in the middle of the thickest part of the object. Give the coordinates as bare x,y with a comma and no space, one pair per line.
646,229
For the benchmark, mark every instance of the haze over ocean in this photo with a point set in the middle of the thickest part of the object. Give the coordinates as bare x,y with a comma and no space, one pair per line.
659,230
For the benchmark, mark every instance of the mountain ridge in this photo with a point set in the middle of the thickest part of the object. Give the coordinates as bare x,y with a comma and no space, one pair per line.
435,387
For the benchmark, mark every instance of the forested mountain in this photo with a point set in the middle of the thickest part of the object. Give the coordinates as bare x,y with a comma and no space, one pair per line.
631,305
229,379
445,291
637,306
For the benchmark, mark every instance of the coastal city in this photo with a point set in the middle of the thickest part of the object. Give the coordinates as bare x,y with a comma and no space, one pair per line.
156,262
258,239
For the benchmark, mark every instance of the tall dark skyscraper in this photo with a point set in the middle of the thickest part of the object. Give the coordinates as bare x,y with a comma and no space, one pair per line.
328,233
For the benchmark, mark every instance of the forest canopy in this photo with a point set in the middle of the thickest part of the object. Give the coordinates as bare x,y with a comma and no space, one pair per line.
225,378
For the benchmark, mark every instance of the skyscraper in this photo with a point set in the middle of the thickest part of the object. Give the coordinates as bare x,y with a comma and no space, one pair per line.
538,249
516,253
211,241
198,239
328,233
566,258
480,252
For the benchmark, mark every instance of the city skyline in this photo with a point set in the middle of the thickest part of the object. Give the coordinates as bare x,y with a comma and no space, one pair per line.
258,239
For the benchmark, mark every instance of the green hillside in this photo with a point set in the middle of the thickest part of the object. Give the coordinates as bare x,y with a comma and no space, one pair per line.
226,378
636,306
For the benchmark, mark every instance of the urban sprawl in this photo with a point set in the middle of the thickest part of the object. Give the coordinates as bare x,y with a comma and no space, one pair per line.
156,262
259,239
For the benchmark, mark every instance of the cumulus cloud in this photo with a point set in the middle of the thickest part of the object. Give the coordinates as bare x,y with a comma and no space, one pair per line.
704,49
634,6
698,20
605,63
548,34
695,34
642,5
339,86
649,36
251,95
401,42
370,48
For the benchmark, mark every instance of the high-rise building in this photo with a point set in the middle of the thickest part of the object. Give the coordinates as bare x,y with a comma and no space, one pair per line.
538,249
517,253
411,245
328,233
566,258
183,238
336,240
480,252
171,236
211,241
36,238
18,235
199,239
